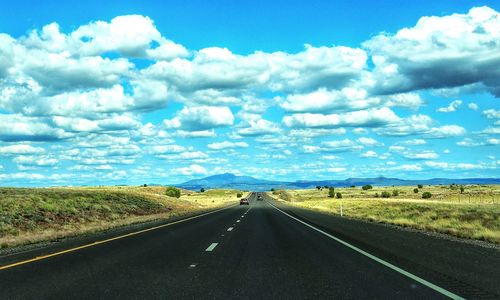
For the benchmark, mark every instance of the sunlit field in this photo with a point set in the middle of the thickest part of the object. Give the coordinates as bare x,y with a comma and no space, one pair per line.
472,213
33,215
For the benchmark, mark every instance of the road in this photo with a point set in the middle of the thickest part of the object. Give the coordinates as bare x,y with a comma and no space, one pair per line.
243,252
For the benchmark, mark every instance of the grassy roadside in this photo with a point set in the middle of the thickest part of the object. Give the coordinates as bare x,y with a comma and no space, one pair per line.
473,214
34,215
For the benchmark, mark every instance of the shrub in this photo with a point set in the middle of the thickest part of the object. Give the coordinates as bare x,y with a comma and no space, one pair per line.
339,195
386,194
426,195
202,190
353,186
239,195
325,187
272,189
395,193
376,195
367,187
173,192
145,185
462,189
420,186
318,187
283,195
415,190
331,192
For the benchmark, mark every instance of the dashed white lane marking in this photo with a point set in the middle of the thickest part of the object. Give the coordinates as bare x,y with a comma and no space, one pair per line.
230,229
211,247
192,265
237,221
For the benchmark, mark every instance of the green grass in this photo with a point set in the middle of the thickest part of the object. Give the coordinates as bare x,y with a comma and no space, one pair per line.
30,215
474,215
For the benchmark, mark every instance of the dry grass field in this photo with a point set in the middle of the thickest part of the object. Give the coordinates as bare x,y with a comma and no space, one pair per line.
473,213
29,215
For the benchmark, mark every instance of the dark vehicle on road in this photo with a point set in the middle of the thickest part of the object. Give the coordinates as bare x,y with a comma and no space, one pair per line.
260,198
244,201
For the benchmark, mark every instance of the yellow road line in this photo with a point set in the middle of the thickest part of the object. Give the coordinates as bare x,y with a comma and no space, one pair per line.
106,240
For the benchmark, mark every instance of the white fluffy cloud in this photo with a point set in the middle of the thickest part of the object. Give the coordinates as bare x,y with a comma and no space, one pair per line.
192,170
439,52
200,118
227,145
453,106
259,127
367,118
492,113
323,100
20,149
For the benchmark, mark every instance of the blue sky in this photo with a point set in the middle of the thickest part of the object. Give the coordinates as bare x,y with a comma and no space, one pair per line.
131,92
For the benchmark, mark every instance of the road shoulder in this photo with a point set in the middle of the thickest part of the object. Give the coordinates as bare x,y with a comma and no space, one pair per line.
465,268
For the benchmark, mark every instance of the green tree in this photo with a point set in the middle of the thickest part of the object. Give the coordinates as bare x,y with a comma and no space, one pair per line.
462,189
239,195
339,195
173,192
202,190
318,187
415,190
331,192
420,186
367,187
426,195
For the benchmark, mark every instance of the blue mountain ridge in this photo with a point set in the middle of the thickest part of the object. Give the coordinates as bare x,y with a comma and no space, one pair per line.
232,181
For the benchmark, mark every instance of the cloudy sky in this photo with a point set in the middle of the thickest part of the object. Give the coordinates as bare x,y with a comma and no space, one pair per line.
132,92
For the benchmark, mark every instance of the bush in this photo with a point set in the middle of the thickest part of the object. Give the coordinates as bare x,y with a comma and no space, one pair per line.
386,194
415,190
173,192
202,190
426,195
272,189
331,192
395,193
367,187
145,185
462,189
239,195
353,186
339,195
318,187
376,195
420,186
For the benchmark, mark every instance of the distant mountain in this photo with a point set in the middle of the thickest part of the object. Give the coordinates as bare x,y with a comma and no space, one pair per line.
231,181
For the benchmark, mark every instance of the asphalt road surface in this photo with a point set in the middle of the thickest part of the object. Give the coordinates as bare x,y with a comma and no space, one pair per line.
258,251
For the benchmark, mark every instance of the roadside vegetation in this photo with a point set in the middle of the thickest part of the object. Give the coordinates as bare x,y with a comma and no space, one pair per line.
469,211
29,215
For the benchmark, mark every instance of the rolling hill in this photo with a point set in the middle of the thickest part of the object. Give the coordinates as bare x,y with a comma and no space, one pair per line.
231,181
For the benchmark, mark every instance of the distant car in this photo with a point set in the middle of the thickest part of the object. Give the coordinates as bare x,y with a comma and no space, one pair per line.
260,198
244,201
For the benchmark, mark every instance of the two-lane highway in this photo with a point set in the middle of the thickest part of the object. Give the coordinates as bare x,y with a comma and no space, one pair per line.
250,252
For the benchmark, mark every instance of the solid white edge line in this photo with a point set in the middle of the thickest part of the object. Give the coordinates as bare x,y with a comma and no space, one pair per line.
211,247
379,260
